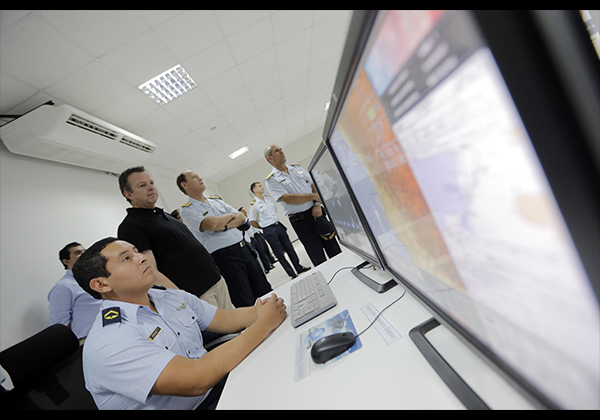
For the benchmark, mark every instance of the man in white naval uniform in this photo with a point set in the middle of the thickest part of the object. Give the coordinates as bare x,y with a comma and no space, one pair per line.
218,226
263,214
293,188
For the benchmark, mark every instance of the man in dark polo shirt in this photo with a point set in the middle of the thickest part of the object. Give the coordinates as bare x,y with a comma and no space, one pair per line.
178,259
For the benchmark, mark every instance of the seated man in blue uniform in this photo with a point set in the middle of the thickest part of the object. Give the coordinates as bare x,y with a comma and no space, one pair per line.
145,349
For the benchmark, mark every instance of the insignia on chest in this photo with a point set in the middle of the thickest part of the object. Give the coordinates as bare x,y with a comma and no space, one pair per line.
182,306
154,334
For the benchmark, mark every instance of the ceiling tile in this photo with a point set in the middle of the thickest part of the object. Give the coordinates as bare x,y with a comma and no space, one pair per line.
201,117
98,31
263,83
250,41
151,123
190,32
209,63
127,108
90,87
232,100
232,21
222,84
287,23
293,47
36,54
258,65
13,93
170,134
140,59
187,103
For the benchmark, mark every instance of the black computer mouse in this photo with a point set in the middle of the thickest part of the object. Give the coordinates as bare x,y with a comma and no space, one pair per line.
331,346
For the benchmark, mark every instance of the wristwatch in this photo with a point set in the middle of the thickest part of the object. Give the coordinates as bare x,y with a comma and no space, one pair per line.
317,203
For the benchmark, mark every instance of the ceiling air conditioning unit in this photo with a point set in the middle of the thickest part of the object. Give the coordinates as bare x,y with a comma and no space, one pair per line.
68,135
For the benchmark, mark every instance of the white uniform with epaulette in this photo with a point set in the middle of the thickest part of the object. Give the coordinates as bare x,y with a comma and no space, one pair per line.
194,212
239,267
298,181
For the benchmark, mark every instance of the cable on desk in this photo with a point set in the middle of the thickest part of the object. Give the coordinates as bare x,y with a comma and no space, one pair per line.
380,312
343,268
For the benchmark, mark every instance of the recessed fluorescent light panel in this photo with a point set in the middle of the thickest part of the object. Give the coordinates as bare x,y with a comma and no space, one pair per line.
168,86
238,152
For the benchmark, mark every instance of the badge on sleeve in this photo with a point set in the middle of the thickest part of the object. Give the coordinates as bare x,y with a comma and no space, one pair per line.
111,316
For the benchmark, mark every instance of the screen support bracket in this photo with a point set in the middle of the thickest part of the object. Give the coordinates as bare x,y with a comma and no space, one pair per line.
457,385
378,287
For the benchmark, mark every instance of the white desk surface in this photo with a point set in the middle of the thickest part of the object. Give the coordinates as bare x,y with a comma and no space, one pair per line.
376,376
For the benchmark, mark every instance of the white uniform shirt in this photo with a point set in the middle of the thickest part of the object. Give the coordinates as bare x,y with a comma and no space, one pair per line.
123,359
263,212
298,181
195,211
69,303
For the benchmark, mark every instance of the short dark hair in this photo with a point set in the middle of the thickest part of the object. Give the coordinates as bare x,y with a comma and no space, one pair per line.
181,178
92,264
124,184
65,253
253,185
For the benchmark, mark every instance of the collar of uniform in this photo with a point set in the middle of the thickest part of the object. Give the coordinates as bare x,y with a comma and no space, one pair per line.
277,173
262,201
194,201
142,211
129,311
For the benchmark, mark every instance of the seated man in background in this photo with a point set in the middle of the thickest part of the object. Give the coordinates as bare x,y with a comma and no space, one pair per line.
68,303
145,351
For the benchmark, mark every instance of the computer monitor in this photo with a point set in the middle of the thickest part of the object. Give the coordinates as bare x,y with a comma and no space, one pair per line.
476,136
348,221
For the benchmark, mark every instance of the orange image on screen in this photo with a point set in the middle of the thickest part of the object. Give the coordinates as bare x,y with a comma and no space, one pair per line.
364,118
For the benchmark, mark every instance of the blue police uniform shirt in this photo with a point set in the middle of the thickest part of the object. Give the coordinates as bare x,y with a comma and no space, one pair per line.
195,211
298,181
125,353
263,212
69,303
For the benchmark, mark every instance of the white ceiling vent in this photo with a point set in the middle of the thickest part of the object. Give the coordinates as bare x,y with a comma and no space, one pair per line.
68,135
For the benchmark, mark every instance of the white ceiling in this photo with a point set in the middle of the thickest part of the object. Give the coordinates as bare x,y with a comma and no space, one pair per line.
263,76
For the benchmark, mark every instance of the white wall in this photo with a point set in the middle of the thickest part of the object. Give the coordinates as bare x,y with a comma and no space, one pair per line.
45,205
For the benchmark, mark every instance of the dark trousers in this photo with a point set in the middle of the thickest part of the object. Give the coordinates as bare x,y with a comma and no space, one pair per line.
263,251
316,247
245,279
279,240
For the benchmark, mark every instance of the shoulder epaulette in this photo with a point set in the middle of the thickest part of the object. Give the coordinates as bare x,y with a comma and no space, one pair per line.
294,164
214,197
187,204
111,315
253,201
270,175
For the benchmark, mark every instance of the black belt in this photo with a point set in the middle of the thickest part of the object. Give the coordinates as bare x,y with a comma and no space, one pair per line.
300,216
240,244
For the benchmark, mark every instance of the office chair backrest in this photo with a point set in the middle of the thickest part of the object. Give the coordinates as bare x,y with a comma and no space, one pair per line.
37,354
46,372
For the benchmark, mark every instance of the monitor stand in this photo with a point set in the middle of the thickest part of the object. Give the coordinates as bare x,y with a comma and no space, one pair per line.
378,287
457,385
